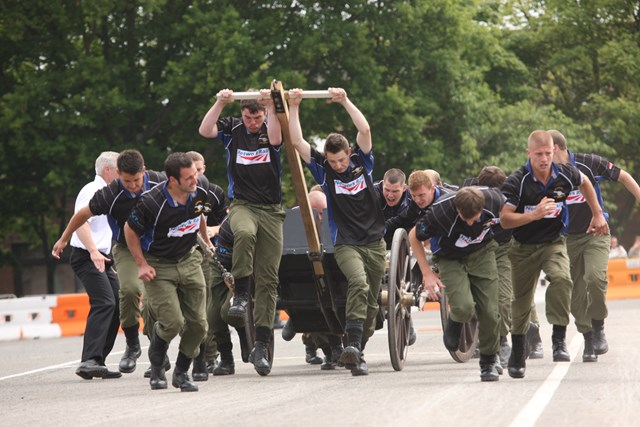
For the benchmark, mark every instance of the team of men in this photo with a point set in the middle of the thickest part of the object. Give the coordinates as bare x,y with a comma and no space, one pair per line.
548,215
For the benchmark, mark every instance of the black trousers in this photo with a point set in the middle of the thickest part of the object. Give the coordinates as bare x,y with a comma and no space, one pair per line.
104,315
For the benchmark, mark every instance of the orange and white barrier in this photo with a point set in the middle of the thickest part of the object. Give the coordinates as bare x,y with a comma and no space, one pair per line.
624,278
45,316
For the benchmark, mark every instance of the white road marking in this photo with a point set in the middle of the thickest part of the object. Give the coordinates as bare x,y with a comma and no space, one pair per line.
536,406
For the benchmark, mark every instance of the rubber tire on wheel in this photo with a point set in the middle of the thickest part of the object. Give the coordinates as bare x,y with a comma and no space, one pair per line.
398,316
468,335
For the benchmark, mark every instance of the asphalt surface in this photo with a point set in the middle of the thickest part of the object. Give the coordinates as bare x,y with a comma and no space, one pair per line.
38,386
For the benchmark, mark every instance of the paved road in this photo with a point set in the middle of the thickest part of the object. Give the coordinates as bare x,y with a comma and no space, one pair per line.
38,386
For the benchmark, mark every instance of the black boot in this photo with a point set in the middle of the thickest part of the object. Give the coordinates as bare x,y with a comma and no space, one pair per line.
212,365
451,335
350,356
288,332
260,354
245,350
311,356
181,378
167,366
200,372
559,346
534,342
600,345
226,365
157,354
589,354
361,367
505,351
412,333
238,310
517,360
488,369
133,350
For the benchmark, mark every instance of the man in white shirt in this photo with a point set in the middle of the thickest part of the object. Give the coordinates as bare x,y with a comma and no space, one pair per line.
90,247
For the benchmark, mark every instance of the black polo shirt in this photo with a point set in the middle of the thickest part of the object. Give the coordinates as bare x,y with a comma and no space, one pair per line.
166,228
451,237
224,244
253,164
523,191
597,169
117,202
500,235
217,205
355,216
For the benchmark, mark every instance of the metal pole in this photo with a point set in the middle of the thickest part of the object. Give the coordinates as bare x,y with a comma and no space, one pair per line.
307,94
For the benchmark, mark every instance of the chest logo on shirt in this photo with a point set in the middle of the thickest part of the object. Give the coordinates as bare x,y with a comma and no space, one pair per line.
464,241
575,197
554,214
558,194
260,156
188,227
263,139
351,188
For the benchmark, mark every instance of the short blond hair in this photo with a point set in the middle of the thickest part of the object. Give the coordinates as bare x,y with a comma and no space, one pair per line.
420,178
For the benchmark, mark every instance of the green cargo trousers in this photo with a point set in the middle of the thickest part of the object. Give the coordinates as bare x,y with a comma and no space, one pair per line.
472,287
131,291
505,293
589,259
177,296
257,249
527,260
211,347
363,266
218,307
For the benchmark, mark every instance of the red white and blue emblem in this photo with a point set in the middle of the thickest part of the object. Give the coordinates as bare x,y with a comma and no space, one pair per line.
351,188
259,156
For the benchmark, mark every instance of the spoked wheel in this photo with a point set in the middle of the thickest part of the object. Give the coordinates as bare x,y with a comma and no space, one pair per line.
250,327
398,310
468,335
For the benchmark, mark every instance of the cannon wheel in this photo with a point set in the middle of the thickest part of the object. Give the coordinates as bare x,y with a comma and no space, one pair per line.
250,327
398,316
468,335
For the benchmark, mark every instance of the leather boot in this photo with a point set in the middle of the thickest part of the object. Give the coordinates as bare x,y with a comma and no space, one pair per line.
181,378
534,342
167,366
361,368
212,365
332,359
288,332
182,381
128,362
157,354
200,372
350,356
589,354
451,335
488,370
311,356
412,333
226,365
505,351
260,358
600,345
559,346
518,359
238,310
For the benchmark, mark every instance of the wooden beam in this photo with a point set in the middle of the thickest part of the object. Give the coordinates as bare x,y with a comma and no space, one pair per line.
297,174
